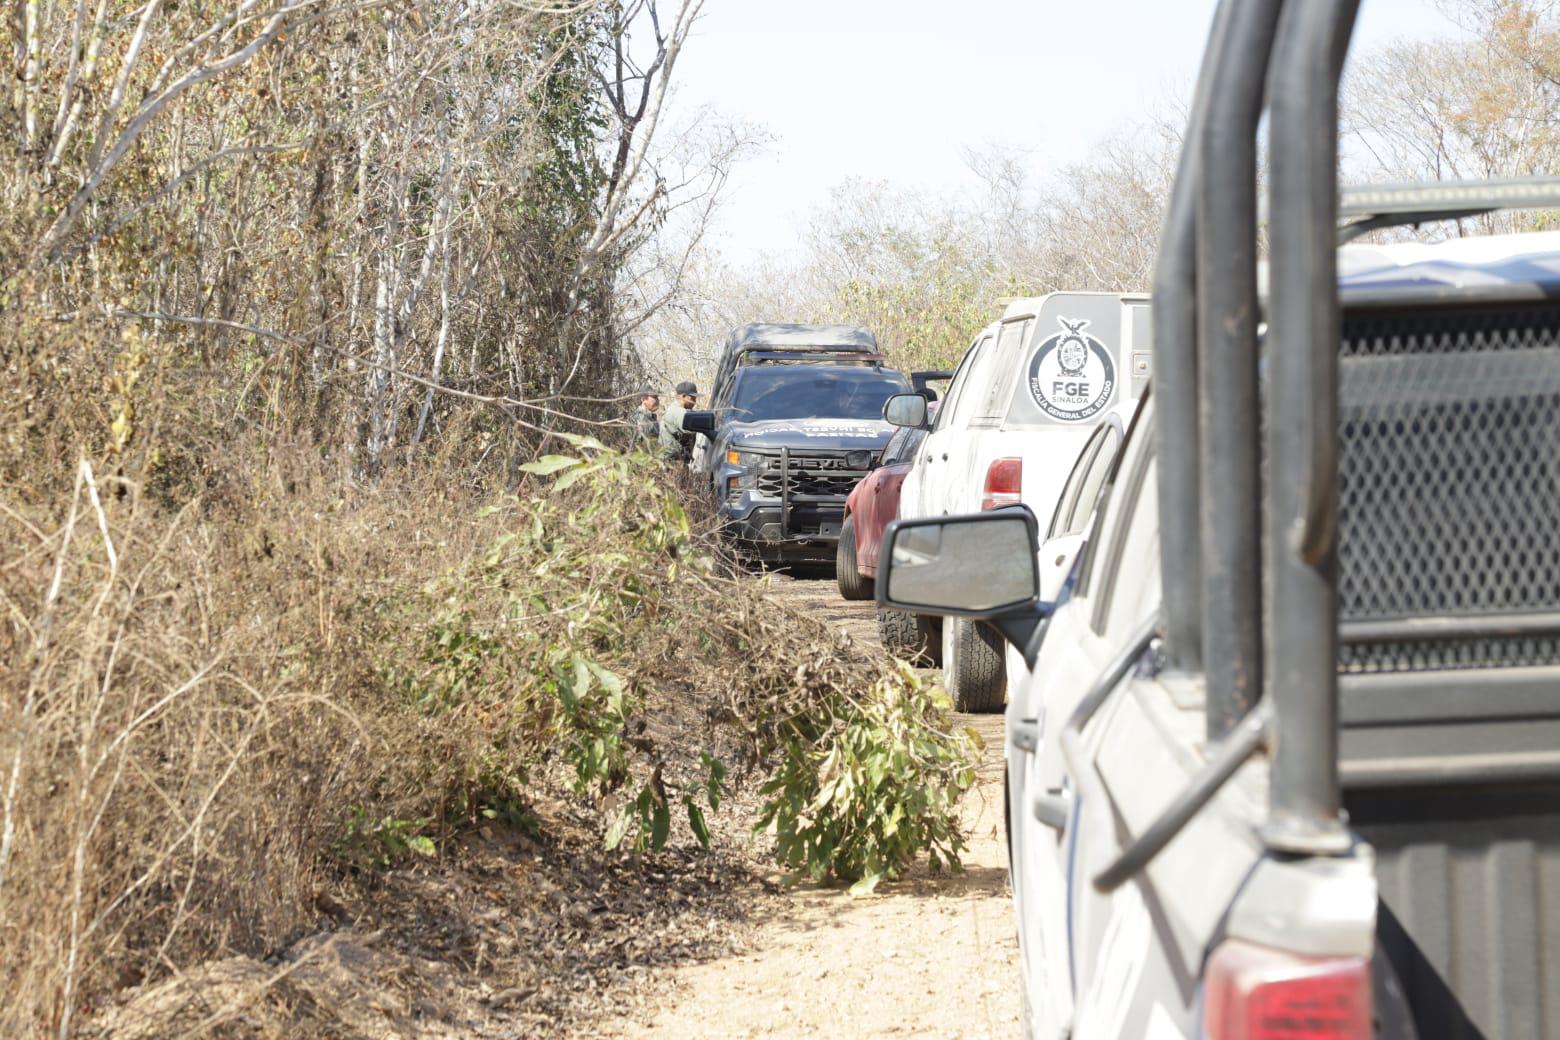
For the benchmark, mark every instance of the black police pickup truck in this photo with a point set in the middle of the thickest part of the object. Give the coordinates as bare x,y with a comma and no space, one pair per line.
795,421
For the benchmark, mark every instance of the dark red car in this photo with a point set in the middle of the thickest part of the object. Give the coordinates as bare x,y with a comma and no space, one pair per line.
872,504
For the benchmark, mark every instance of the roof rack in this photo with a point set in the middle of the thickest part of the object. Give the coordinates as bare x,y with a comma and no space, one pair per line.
775,335
809,356
1370,207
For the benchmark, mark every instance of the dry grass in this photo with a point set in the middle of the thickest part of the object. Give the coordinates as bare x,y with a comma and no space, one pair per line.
190,707
234,681
191,695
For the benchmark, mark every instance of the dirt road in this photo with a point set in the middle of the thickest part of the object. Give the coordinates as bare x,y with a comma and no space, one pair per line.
926,957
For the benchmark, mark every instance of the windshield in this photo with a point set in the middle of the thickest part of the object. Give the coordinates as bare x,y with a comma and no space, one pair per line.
810,392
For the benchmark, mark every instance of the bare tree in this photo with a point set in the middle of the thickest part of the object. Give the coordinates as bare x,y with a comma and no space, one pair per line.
1486,104
926,271
406,208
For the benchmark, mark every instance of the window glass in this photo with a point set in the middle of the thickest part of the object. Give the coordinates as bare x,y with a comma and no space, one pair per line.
813,392
894,450
1094,477
1121,516
1069,496
903,446
970,391
1135,446
997,384
957,384
1133,572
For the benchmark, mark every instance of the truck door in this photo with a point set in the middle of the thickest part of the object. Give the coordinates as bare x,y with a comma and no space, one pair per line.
1123,954
945,451
1038,853
924,494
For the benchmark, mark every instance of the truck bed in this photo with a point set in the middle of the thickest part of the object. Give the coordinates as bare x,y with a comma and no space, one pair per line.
1449,590
1469,919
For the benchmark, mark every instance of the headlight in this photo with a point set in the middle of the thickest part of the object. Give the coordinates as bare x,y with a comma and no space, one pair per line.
748,464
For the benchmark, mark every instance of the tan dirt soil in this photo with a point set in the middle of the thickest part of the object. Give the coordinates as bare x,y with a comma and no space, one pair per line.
928,956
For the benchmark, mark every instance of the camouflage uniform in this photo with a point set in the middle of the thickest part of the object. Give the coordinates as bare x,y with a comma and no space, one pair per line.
646,427
675,445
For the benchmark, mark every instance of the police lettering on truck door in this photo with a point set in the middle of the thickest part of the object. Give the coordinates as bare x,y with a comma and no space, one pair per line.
1071,376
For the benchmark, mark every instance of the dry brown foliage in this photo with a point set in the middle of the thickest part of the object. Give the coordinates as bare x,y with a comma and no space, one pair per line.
234,680
190,704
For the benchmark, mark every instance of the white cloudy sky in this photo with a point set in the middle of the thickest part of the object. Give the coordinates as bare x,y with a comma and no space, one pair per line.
897,90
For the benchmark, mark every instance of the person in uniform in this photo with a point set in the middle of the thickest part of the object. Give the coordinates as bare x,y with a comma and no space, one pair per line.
645,426
677,443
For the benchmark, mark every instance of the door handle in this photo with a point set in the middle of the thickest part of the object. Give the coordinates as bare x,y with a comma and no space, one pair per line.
1052,809
1024,734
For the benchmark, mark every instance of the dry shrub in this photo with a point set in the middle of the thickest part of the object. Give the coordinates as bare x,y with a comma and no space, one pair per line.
862,768
191,705
231,677
190,691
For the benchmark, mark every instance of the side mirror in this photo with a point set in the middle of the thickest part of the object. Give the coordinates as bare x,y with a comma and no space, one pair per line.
699,422
920,379
905,410
981,566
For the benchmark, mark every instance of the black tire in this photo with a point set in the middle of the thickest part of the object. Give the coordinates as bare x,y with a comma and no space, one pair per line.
853,585
976,677
913,637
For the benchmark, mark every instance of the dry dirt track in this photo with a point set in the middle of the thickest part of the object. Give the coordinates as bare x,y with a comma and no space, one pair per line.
924,957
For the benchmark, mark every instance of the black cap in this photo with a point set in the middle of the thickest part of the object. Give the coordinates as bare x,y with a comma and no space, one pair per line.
686,387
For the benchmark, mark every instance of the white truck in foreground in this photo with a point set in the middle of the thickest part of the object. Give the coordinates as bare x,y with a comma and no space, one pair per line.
1288,763
1028,395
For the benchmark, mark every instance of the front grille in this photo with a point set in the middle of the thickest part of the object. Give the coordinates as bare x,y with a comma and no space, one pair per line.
1449,478
816,474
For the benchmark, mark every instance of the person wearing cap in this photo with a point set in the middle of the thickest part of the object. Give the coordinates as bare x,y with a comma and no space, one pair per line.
676,443
646,422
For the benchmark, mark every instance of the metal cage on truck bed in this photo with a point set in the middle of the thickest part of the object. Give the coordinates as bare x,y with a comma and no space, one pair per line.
776,339
1449,487
1449,650
1382,493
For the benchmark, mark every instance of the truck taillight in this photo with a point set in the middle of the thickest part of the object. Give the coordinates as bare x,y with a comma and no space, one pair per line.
1251,992
1004,484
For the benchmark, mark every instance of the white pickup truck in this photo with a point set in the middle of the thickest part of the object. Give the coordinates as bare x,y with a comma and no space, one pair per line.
1288,762
1030,392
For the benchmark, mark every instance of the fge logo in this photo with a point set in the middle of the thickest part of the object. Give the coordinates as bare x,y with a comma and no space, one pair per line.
1071,376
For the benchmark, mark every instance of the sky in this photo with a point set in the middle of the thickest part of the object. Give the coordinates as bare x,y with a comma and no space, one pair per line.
900,90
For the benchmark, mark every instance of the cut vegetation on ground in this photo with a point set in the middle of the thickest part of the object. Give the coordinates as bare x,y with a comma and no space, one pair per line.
932,956
456,778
